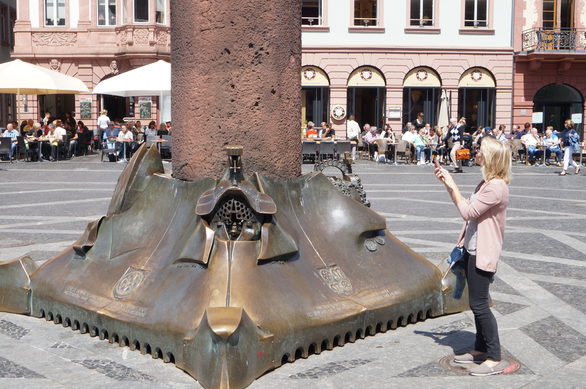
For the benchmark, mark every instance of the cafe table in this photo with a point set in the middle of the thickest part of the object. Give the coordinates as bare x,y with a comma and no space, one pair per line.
39,142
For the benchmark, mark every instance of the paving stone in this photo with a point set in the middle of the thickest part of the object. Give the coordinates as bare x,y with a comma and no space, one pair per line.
505,308
548,268
9,369
329,369
559,339
573,295
15,331
113,370
501,286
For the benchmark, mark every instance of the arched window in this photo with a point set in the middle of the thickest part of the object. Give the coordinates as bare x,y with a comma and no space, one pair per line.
477,98
315,95
421,93
367,96
557,103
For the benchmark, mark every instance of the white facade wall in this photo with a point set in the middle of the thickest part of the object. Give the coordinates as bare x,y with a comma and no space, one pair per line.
394,20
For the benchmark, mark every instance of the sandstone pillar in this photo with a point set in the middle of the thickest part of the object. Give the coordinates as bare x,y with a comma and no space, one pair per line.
235,80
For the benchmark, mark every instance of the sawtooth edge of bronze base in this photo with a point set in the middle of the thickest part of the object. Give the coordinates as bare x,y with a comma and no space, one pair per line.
229,279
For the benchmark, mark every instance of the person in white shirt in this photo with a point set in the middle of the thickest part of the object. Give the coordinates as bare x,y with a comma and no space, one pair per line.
13,134
125,139
409,137
552,142
352,133
530,141
103,122
55,137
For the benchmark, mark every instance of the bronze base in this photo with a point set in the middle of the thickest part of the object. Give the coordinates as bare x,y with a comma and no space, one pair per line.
229,279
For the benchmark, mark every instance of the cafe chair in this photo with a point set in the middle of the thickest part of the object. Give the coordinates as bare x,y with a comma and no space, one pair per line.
6,147
326,150
308,151
343,146
21,148
519,149
109,148
166,147
383,150
404,151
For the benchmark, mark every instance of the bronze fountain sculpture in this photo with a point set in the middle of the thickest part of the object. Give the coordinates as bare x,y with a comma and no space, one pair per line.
225,272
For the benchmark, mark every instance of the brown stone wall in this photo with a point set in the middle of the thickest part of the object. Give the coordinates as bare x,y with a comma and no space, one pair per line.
236,81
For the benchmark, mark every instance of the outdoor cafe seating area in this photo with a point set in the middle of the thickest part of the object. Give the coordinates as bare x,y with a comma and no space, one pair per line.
402,152
43,149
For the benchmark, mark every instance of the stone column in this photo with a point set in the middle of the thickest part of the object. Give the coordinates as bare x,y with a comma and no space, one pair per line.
236,81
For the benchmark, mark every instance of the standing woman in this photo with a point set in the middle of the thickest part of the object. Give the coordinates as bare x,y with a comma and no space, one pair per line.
482,240
571,143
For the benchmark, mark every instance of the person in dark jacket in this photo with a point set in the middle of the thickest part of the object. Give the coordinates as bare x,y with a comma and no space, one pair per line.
453,137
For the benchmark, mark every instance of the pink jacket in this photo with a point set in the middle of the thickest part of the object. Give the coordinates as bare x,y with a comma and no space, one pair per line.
490,209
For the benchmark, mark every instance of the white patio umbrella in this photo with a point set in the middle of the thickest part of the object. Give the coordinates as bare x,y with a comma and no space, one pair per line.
443,120
150,80
24,78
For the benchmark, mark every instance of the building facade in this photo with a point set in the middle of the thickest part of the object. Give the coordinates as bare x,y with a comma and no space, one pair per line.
550,62
91,40
386,61
7,19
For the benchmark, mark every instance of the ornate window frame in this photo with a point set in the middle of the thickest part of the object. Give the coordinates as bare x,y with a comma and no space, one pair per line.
379,19
432,29
488,30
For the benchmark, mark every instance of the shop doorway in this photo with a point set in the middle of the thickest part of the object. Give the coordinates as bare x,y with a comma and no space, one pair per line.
367,105
559,102
117,107
58,105
424,100
315,105
366,96
478,106
421,93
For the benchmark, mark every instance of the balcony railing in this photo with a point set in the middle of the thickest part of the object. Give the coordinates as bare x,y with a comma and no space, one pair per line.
543,40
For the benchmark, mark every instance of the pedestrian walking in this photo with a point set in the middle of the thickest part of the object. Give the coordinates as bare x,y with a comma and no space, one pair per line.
571,142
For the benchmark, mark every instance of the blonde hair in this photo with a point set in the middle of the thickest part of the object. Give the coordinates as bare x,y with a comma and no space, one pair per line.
496,160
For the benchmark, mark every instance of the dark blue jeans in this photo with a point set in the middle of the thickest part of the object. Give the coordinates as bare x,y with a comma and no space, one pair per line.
487,336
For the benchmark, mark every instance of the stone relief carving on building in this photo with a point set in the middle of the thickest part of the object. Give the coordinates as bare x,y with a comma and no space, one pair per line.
114,67
141,37
54,38
162,37
55,64
122,38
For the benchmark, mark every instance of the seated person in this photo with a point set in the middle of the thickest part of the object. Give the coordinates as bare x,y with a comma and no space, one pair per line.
29,126
422,150
310,131
125,138
10,132
409,137
369,140
55,138
36,132
552,143
328,131
530,141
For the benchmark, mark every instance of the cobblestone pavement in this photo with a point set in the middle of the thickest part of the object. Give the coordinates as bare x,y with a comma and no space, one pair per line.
539,294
